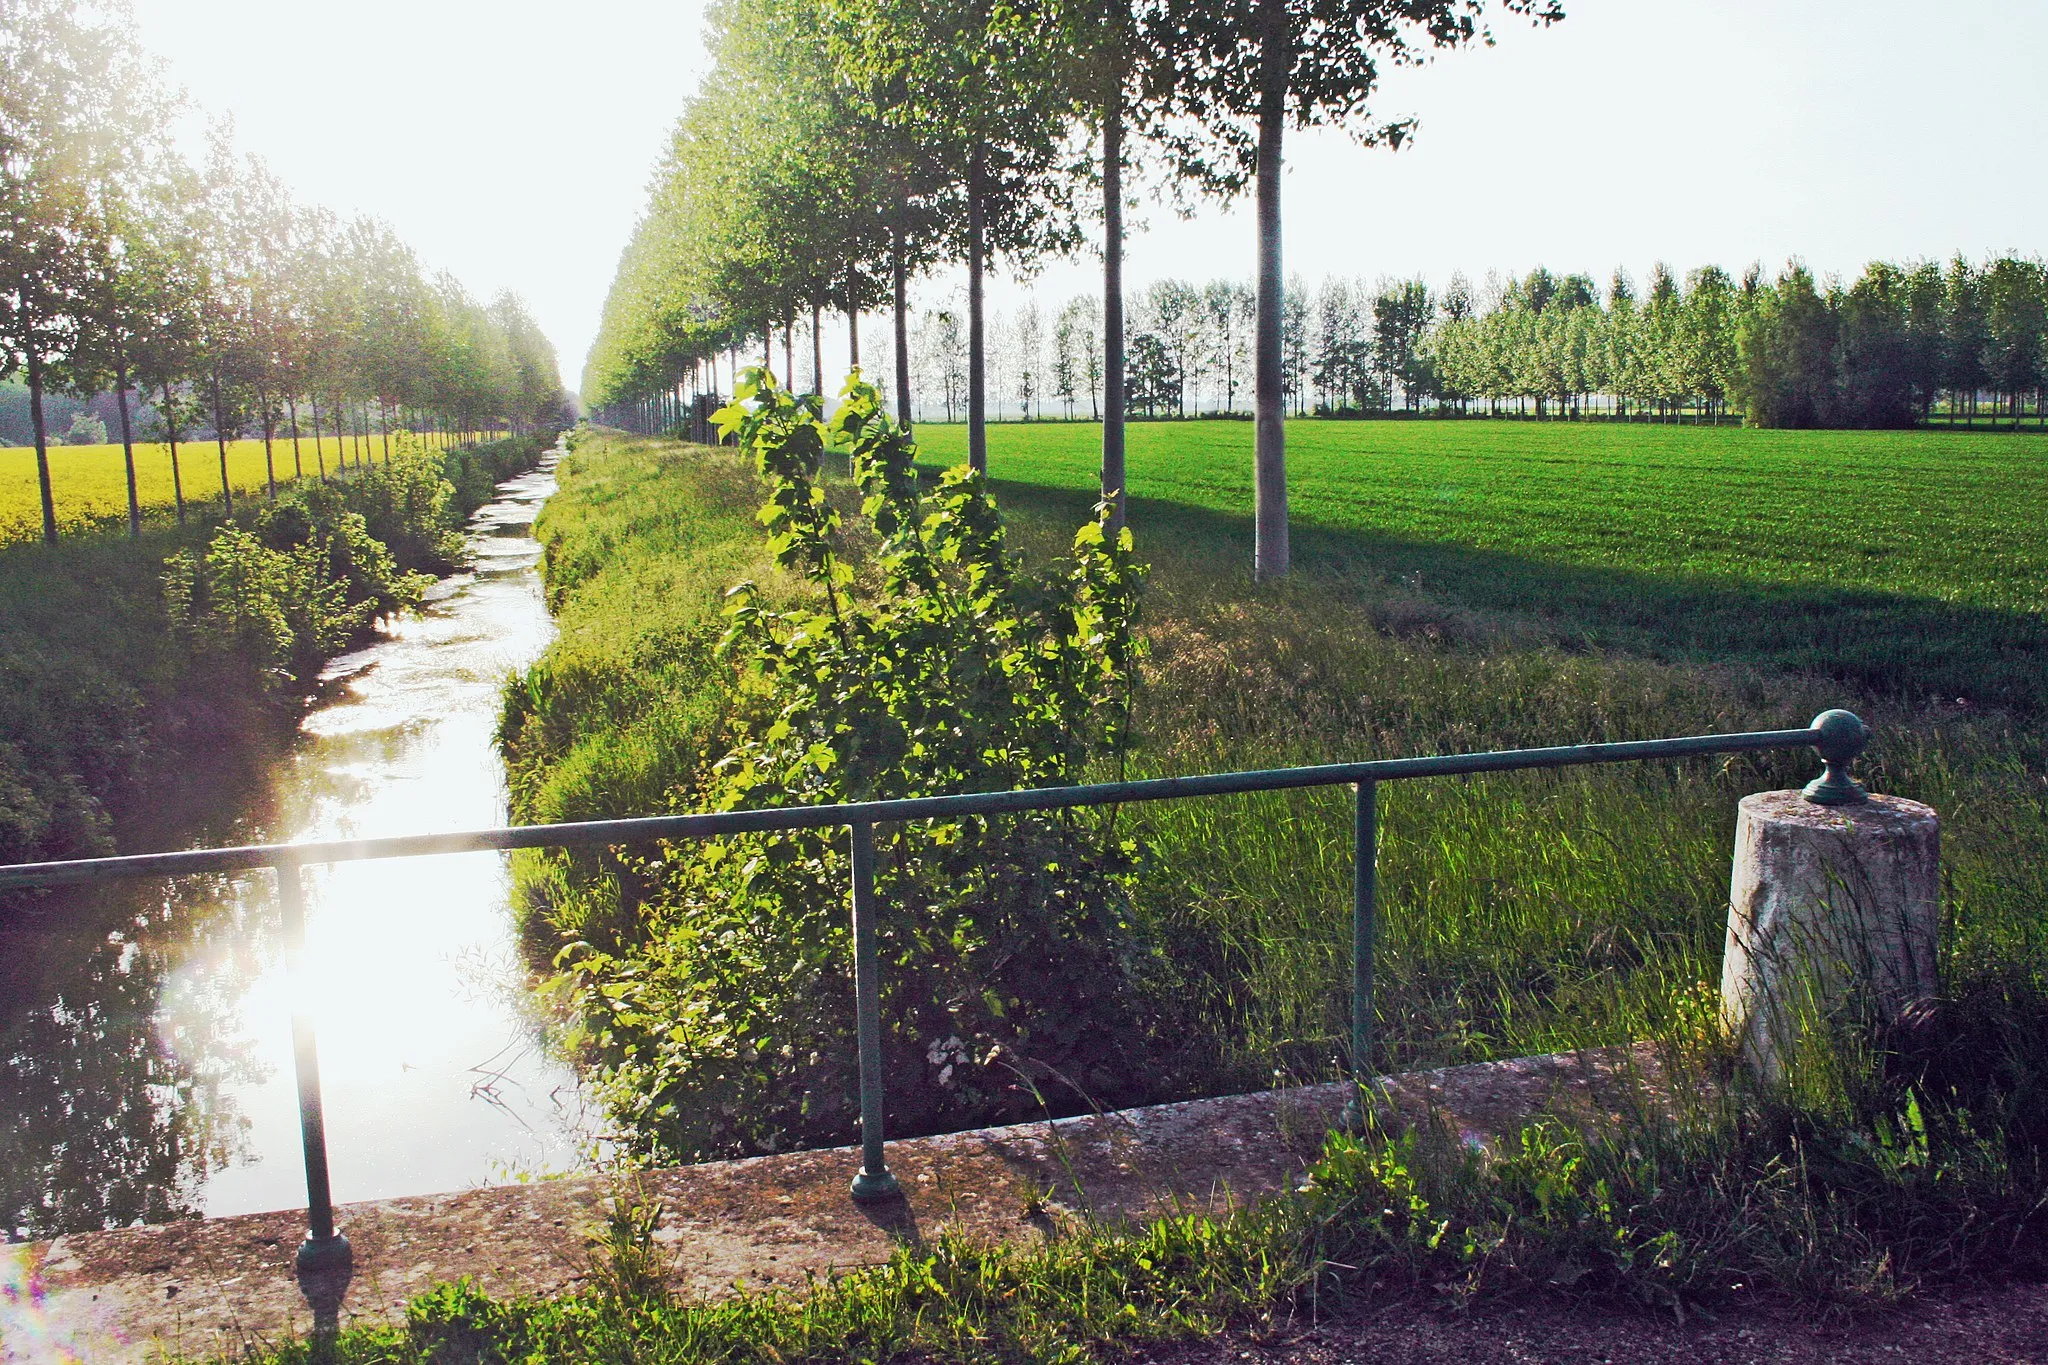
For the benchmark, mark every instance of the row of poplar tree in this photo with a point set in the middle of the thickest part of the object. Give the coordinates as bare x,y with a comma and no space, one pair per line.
206,292
839,149
1898,345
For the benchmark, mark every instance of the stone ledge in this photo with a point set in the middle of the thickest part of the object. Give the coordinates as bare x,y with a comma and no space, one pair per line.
212,1285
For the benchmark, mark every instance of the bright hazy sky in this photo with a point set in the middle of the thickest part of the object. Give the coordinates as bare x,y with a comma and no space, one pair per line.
511,141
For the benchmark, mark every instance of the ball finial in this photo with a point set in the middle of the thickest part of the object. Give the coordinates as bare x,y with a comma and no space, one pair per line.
1839,737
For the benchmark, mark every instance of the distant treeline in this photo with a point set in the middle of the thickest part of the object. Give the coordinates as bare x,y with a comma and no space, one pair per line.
1899,345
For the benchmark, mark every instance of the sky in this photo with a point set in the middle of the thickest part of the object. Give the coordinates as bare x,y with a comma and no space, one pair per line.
511,141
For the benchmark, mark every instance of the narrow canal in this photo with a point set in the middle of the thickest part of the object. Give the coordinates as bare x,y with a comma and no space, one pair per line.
148,1041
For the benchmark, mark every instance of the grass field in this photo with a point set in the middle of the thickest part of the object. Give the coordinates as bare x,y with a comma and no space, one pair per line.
1913,563
90,486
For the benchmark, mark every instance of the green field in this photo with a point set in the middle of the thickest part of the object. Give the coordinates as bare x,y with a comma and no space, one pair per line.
90,486
1912,563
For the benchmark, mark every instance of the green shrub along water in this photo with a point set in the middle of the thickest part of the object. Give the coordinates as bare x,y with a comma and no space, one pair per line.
942,664
124,663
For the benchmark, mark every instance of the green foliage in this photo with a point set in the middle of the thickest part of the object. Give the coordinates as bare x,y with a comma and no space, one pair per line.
86,656
963,672
283,597
409,504
290,582
937,664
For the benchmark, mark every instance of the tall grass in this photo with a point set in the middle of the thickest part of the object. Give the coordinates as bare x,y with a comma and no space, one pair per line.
1519,912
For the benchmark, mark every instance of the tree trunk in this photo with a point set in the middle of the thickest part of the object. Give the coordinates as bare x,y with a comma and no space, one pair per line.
171,434
1270,550
35,415
977,387
817,348
298,462
220,439
319,450
789,350
852,320
127,438
1113,288
269,455
902,324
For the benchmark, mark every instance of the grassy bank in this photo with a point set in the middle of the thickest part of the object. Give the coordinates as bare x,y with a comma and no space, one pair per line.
1519,913
639,547
120,704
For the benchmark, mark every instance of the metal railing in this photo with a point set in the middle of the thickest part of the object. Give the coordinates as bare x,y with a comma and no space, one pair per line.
1838,736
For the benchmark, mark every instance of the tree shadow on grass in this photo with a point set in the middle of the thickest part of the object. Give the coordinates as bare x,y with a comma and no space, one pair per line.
1896,646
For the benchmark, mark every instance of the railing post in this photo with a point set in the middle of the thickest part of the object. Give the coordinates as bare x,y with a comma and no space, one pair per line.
874,1184
1364,895
324,1248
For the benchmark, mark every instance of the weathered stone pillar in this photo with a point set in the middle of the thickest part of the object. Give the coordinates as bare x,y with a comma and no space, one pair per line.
1834,905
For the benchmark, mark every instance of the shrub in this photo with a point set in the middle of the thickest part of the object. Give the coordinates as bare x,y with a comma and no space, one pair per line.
290,583
721,1013
86,430
409,504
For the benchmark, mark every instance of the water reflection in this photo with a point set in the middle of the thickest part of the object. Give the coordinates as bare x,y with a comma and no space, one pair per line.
114,1104
148,1044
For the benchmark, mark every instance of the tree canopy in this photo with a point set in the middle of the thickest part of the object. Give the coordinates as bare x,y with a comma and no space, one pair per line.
208,294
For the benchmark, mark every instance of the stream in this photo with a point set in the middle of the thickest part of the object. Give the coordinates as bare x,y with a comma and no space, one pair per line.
147,1028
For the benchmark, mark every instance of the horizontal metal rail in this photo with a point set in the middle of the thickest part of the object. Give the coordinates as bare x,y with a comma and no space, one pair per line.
712,824
1838,736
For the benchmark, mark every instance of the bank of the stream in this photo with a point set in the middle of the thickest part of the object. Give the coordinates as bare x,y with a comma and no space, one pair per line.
1521,913
146,1024
142,680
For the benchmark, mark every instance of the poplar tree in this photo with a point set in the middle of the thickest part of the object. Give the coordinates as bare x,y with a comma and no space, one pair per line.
65,78
2015,317
979,87
1241,72
123,158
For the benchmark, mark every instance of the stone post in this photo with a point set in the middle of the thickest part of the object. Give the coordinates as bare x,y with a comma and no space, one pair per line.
1834,905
